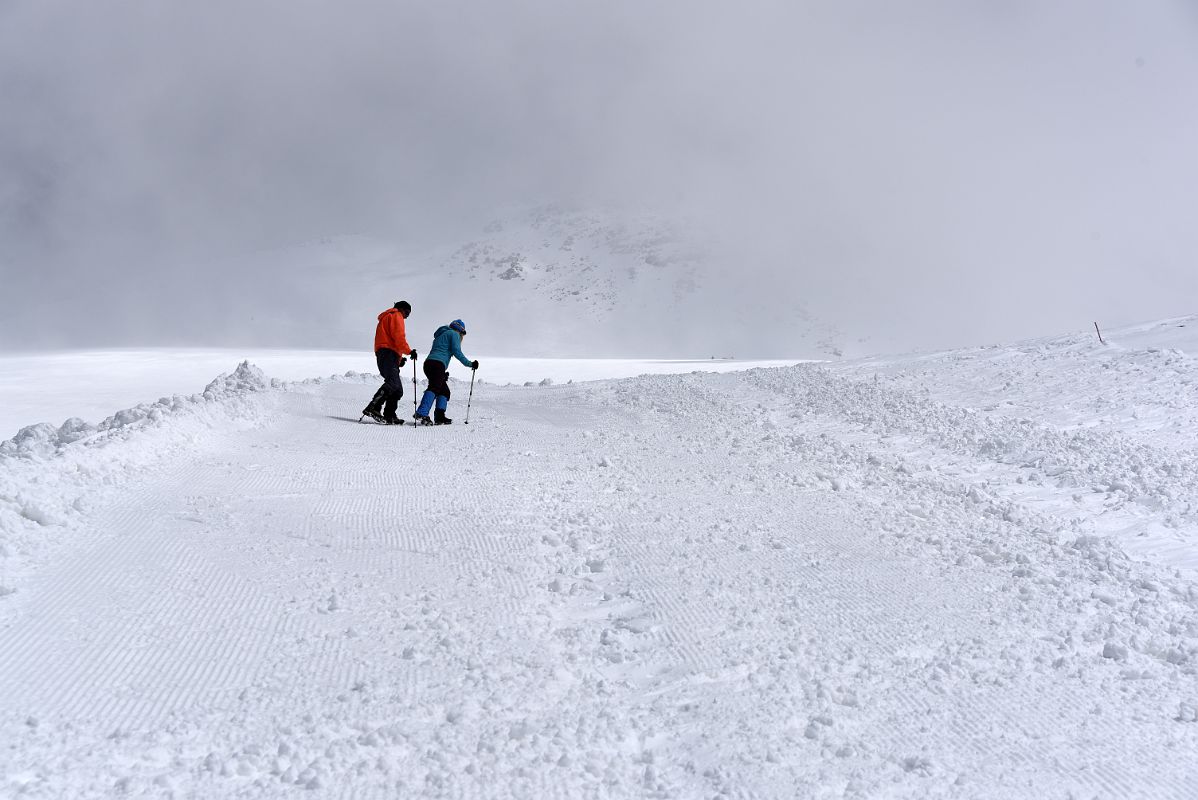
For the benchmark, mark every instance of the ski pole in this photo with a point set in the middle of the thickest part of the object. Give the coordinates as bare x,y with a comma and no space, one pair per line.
471,397
415,392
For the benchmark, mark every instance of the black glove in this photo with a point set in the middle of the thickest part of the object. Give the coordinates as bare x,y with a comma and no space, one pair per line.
402,361
412,355
474,365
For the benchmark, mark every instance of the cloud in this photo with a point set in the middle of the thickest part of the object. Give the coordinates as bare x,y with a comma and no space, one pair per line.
930,173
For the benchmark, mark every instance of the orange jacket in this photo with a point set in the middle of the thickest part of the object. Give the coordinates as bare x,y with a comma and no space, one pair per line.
390,333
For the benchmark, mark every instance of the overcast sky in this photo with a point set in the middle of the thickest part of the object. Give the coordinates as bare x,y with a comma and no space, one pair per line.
927,173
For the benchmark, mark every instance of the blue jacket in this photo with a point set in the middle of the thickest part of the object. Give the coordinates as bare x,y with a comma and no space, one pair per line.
447,342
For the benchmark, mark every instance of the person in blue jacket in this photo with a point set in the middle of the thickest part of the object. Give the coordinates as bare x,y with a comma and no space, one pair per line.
447,343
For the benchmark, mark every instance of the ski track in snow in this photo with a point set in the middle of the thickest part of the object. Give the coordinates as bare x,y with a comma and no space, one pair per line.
797,582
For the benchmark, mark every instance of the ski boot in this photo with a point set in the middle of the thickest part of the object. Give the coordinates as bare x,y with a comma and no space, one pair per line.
391,419
374,409
422,419
440,418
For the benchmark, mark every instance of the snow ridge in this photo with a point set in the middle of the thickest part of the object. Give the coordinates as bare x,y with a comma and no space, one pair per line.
44,440
51,475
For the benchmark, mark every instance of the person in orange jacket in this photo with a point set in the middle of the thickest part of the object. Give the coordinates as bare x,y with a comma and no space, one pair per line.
390,347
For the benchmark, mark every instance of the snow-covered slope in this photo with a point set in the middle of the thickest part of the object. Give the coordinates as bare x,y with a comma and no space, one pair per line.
1100,433
900,578
1141,378
560,280
546,282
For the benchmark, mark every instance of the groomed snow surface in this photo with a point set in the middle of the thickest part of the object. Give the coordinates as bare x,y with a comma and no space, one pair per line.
960,575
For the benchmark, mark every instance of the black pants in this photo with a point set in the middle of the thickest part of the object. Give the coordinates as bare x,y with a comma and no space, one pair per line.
438,377
392,389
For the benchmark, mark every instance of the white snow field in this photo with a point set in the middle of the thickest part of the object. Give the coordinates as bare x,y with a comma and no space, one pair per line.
902,578
94,384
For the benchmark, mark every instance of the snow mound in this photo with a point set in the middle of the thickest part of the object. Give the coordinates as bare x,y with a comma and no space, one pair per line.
246,378
51,476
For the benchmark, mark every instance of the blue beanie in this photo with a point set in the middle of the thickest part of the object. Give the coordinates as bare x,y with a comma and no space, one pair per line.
458,326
